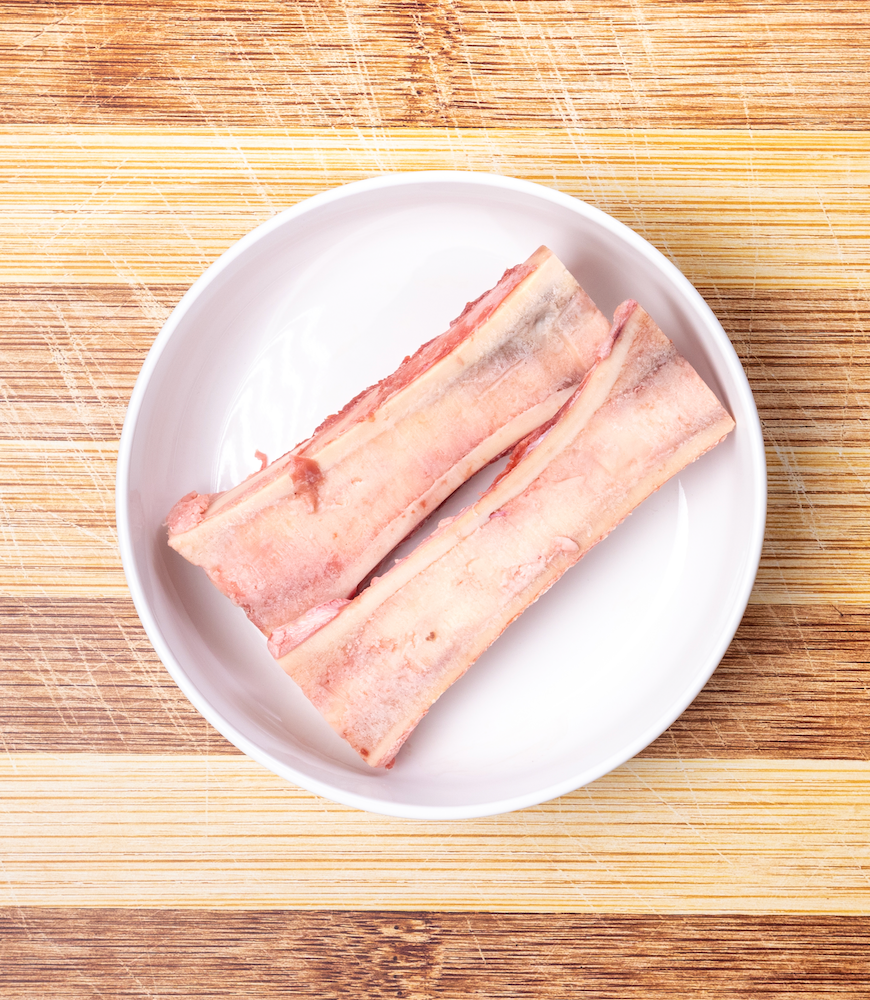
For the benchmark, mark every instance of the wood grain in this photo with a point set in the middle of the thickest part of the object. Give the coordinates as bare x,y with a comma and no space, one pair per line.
70,354
468,63
807,356
739,209
683,836
80,675
139,141
58,534
815,544
794,683
58,519
103,953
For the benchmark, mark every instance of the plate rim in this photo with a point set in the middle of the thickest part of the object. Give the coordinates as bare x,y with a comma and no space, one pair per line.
385,806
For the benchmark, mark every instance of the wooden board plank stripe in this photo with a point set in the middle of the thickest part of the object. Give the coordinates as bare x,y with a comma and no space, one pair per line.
468,62
807,357
793,683
139,205
95,953
57,534
70,353
80,675
682,836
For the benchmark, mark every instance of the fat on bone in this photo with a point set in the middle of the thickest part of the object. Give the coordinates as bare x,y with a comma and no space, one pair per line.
307,529
375,666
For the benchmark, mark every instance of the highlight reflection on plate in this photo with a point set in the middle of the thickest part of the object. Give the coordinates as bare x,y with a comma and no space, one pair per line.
326,299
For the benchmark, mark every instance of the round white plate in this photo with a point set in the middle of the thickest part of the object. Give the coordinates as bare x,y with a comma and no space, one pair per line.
317,304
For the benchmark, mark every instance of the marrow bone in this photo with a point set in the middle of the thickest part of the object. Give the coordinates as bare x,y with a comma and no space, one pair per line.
373,667
307,529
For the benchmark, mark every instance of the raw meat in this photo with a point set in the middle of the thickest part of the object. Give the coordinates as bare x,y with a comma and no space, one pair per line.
379,662
305,530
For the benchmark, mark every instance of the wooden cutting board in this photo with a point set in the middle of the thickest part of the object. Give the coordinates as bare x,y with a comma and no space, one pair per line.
142,855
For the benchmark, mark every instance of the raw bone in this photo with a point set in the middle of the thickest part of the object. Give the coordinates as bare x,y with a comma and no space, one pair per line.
308,528
641,415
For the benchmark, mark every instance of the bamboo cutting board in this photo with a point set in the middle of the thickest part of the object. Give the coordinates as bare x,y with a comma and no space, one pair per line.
141,854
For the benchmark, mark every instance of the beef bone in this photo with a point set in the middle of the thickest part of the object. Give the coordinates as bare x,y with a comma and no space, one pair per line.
307,529
380,661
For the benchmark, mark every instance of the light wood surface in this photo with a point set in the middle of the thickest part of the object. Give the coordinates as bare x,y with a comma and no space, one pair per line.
739,208
141,854
679,836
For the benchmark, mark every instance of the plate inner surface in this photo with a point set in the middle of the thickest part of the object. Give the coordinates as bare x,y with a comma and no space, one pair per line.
328,303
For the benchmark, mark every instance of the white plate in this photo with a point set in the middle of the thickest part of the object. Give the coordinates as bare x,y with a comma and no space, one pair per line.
327,298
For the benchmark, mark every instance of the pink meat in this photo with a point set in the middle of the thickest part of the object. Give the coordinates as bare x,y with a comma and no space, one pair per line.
378,664
308,528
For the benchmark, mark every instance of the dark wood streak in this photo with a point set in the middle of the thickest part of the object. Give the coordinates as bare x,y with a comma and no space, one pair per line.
794,683
70,354
85,953
81,675
807,357
470,63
